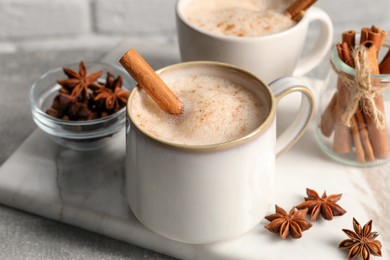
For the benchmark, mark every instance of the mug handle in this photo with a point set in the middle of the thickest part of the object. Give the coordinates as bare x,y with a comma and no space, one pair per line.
321,47
282,87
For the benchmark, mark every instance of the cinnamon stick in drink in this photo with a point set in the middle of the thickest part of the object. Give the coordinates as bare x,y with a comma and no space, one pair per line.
298,8
153,85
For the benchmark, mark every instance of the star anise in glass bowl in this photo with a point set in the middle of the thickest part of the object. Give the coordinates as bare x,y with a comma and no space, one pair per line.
63,105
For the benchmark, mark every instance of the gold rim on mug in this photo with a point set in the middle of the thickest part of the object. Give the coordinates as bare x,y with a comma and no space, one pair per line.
218,146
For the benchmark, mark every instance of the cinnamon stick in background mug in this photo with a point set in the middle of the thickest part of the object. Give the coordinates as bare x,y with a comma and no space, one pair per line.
298,9
255,35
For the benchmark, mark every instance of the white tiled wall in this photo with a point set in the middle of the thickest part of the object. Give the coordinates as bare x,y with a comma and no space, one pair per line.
67,23
20,19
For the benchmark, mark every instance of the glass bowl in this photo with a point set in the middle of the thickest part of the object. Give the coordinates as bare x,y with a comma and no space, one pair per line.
78,135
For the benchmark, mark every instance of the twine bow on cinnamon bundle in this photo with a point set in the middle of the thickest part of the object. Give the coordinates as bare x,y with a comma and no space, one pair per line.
356,112
365,89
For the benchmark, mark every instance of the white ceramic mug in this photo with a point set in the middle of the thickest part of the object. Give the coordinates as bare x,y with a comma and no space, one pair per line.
206,193
269,57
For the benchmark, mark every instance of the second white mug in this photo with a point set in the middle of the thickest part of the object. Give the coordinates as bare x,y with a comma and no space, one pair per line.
268,57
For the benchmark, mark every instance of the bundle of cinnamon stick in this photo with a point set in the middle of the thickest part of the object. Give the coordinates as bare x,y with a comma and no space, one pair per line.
355,114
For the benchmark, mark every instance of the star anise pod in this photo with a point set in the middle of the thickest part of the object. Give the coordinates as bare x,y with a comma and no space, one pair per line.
112,93
110,81
78,83
69,108
361,242
326,205
285,224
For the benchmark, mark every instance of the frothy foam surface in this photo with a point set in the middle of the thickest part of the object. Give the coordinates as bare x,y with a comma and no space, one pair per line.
215,111
242,18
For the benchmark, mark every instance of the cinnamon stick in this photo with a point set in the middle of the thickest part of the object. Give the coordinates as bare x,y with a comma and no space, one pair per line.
298,8
378,137
357,141
383,34
365,139
369,140
374,34
373,37
327,119
331,118
346,56
384,66
153,85
359,130
364,34
349,38
342,141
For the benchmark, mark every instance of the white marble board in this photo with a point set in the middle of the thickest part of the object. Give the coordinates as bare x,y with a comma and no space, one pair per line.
86,189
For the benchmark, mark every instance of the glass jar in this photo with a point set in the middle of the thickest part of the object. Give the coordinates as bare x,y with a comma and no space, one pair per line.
348,128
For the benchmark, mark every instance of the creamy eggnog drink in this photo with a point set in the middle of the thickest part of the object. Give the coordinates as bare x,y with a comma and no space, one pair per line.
242,18
216,110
